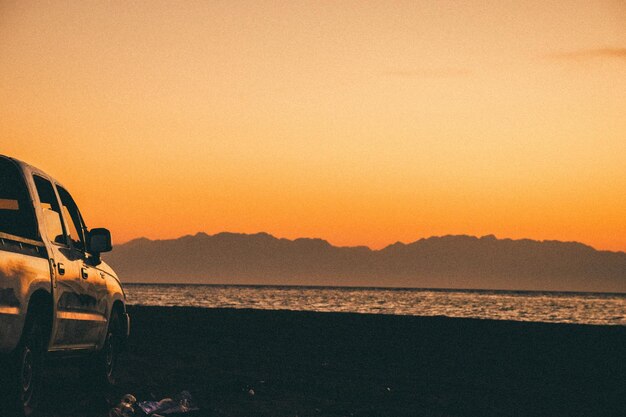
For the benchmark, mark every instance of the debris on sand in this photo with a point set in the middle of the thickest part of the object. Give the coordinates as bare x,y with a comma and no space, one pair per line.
182,403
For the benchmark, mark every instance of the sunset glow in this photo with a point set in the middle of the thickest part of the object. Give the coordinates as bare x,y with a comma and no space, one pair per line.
363,123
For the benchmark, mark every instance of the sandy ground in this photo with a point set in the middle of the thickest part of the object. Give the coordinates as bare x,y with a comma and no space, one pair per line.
248,363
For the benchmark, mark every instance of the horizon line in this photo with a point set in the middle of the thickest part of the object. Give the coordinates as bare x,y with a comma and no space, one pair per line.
369,287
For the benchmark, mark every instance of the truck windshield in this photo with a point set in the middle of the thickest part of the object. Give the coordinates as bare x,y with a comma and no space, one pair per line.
16,212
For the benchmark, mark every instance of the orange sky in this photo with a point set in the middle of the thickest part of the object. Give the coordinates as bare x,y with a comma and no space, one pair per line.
362,122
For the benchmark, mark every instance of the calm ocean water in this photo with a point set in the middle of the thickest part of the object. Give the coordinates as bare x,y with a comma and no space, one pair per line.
559,307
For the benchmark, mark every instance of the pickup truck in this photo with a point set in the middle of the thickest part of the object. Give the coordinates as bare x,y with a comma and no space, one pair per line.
57,296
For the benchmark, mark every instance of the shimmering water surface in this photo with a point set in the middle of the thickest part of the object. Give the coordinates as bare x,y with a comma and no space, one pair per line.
560,307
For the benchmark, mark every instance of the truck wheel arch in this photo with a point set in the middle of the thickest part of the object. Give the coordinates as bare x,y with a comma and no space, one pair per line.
119,308
40,306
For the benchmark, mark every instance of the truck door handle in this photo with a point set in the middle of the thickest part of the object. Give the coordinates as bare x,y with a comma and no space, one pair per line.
61,268
84,273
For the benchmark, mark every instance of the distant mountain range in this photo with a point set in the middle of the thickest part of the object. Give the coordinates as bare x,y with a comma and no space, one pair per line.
436,262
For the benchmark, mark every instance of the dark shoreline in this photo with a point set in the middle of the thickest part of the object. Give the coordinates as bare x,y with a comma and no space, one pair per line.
343,364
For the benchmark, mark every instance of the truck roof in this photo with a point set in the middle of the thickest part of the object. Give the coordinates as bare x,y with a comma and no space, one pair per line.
26,167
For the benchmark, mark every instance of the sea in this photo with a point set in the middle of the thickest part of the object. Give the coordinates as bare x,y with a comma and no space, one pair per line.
551,307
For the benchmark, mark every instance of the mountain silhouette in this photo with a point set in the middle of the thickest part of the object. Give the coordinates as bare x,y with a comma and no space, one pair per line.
437,262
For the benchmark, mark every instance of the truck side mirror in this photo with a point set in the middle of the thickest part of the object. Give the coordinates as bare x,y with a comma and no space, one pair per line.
99,240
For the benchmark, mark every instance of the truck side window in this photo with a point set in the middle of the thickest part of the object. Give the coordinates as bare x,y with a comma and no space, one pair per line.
74,219
16,211
51,210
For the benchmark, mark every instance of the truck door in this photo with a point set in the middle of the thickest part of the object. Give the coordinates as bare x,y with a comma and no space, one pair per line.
70,327
94,285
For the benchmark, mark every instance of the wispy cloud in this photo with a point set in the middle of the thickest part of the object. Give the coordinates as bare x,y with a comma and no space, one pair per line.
428,73
586,54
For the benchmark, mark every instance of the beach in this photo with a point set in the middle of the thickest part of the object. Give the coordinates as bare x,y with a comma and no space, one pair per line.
247,363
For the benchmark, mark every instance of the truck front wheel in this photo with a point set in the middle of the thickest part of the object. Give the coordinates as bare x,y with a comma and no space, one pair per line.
104,364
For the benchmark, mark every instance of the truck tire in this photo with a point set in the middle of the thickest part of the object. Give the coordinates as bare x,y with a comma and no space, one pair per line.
27,368
103,368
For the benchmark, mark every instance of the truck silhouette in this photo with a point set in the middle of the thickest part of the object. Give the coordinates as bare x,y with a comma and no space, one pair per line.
57,296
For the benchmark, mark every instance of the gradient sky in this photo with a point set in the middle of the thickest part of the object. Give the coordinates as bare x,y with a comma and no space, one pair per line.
363,122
